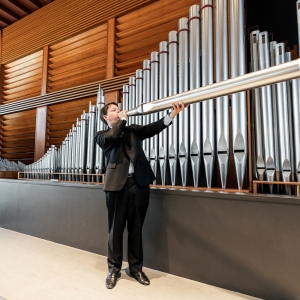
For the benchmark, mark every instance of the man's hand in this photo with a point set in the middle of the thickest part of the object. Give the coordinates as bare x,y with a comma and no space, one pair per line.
123,115
177,108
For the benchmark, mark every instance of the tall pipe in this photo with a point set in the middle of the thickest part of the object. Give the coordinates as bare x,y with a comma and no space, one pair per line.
208,123
183,86
222,113
154,117
146,99
139,92
173,90
275,115
239,105
283,122
163,92
259,153
267,110
195,82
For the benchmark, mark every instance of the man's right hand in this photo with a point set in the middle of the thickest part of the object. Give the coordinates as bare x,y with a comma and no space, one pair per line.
123,115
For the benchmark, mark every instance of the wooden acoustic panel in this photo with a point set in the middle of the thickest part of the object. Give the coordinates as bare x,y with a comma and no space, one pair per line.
78,60
62,116
58,21
140,32
17,136
22,78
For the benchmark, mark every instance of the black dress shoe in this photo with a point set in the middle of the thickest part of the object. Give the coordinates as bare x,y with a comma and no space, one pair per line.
111,280
140,277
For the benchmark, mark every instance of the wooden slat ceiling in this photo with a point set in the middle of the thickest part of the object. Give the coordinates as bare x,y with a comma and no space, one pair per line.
14,10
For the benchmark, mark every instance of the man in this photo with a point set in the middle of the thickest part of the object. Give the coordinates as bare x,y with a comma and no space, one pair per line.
128,175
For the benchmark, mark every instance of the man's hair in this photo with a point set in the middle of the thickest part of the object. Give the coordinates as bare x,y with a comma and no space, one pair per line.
104,110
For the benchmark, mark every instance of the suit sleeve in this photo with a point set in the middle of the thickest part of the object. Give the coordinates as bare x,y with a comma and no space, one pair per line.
106,139
150,130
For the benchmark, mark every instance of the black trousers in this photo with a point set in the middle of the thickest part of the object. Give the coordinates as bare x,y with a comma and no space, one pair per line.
128,205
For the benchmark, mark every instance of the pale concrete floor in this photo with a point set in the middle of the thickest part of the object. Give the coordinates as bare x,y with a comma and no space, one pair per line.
32,268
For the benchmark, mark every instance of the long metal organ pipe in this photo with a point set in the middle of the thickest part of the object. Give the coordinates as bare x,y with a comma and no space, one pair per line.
173,90
208,119
238,101
163,92
195,82
283,122
275,114
296,107
266,109
259,154
222,103
154,117
183,86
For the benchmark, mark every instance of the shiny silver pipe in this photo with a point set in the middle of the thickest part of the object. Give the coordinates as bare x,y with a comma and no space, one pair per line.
288,58
275,115
267,109
238,101
132,97
259,150
163,92
146,99
173,90
99,156
183,86
195,82
283,122
139,92
125,93
154,117
91,141
208,118
222,103
278,73
296,107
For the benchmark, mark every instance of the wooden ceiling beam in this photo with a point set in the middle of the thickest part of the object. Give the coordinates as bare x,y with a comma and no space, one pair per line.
20,6
4,20
9,12
36,3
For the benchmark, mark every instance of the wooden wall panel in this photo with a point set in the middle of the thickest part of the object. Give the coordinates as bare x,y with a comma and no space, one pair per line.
60,20
22,78
140,32
62,116
17,141
78,60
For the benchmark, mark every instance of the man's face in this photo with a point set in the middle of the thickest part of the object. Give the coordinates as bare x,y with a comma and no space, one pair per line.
111,116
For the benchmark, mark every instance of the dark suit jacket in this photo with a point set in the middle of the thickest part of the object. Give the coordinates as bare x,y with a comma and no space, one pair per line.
122,144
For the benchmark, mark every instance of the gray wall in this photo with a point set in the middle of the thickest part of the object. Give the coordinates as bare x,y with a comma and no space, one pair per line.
246,243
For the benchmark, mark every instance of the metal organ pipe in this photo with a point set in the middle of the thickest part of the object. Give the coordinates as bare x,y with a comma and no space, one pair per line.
146,99
173,90
267,110
288,58
208,120
183,118
222,103
296,107
283,122
260,162
275,115
238,101
163,92
195,82
139,92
